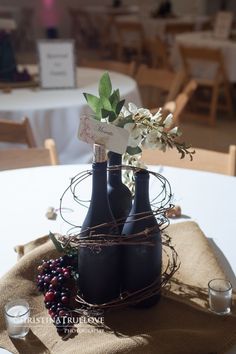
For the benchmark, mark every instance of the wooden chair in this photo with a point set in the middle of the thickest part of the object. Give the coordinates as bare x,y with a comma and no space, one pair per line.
218,83
17,132
131,40
157,85
24,35
113,65
178,106
158,56
204,160
33,157
81,27
173,29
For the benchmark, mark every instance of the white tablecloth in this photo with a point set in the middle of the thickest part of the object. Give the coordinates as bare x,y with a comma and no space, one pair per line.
206,40
56,113
26,194
156,26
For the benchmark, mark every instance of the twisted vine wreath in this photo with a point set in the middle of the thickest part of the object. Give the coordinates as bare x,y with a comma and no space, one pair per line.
72,241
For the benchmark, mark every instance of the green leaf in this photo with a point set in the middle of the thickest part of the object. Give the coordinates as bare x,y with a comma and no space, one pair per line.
94,103
56,243
123,121
105,87
119,106
114,98
106,103
133,151
112,116
105,113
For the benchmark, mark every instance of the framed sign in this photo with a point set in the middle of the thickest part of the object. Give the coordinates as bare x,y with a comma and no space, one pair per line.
56,64
223,24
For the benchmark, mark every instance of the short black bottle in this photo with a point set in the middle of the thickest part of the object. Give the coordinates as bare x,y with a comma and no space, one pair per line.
99,270
120,197
141,263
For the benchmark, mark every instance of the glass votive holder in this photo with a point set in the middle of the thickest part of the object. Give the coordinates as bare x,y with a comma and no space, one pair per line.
17,313
220,296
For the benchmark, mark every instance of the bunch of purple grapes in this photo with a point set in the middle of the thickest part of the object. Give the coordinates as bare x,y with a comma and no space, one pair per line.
54,281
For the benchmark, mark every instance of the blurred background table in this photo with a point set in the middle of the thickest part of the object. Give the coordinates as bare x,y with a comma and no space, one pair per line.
157,26
205,39
56,113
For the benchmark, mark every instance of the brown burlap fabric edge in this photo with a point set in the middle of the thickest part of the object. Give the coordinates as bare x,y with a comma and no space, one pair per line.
180,324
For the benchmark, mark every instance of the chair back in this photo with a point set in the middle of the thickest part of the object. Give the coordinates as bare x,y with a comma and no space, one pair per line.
173,29
157,53
130,37
157,84
210,55
33,157
81,27
113,65
17,132
178,27
204,160
206,66
180,102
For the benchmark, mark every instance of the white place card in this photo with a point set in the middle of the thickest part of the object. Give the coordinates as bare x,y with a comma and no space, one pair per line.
56,64
93,131
223,24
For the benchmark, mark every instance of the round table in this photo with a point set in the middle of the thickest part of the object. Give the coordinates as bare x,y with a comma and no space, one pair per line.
26,194
56,113
205,39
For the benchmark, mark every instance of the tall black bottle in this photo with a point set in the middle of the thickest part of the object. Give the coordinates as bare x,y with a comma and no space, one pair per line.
99,271
141,263
120,197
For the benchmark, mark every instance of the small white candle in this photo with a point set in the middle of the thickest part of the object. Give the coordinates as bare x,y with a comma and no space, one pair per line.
220,296
16,315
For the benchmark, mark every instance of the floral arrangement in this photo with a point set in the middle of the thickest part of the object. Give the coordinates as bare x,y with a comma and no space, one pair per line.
146,130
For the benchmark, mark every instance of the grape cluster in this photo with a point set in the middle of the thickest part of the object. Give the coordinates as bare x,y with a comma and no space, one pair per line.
54,281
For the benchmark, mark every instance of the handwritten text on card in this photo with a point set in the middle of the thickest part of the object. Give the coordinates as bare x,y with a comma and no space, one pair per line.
93,131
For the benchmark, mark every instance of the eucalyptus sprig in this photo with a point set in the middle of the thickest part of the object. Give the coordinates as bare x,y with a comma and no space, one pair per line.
108,105
146,130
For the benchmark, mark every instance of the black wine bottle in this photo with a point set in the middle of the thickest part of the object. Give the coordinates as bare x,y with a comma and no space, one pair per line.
142,263
120,197
99,269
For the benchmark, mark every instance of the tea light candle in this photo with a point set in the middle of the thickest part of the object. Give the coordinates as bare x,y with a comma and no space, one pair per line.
16,316
220,296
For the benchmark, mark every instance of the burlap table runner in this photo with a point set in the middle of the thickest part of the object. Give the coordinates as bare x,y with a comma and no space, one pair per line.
179,324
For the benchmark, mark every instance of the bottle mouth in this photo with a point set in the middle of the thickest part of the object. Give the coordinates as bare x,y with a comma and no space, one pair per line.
99,153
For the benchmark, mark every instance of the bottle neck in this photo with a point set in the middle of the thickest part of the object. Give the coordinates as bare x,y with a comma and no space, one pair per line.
99,184
114,176
141,198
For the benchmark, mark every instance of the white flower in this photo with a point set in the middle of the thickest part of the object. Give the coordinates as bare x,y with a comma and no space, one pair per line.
135,136
153,141
174,131
157,117
168,121
132,108
144,112
124,112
